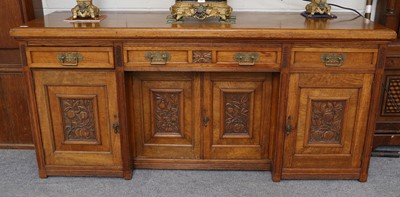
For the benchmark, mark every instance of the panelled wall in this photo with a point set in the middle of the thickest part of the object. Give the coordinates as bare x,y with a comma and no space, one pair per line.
15,130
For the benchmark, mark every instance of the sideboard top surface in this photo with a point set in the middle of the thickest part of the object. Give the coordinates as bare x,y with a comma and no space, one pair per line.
249,25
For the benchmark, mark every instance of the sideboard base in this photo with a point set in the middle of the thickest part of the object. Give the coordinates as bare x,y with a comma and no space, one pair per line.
174,164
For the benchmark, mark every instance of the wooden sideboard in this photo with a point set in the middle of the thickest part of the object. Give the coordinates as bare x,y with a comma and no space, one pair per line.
274,91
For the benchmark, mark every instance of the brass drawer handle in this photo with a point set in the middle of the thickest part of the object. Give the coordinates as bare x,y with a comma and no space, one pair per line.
157,58
246,59
333,59
69,59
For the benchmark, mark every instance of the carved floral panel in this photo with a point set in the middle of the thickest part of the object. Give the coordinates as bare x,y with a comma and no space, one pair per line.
78,119
236,113
167,112
326,121
202,57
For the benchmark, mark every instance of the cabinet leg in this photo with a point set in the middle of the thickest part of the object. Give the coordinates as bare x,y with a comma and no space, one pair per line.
276,179
42,174
363,178
128,175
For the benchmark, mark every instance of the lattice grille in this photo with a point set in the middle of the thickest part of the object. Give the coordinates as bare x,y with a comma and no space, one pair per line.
392,95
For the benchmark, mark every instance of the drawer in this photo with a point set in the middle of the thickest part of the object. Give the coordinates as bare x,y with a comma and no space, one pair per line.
155,57
333,58
393,63
198,58
70,57
266,57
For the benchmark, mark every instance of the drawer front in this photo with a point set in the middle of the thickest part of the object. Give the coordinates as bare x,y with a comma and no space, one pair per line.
70,57
392,63
155,57
266,57
201,57
333,58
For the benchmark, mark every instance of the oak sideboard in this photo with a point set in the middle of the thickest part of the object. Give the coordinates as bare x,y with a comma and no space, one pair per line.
272,91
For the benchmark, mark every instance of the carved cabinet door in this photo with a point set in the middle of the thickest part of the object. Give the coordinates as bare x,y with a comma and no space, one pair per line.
236,115
326,122
77,110
166,115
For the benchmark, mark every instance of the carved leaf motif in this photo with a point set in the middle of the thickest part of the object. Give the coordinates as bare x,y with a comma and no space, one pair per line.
78,119
202,57
237,117
326,121
167,112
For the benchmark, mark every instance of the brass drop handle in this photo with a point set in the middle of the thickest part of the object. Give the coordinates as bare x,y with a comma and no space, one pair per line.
163,60
157,57
288,127
246,59
69,59
206,119
333,59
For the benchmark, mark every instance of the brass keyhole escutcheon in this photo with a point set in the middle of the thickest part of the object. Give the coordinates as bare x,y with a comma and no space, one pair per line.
116,125
206,119
288,127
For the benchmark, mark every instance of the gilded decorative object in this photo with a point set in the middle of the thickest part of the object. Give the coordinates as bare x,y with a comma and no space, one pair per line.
85,9
319,7
201,11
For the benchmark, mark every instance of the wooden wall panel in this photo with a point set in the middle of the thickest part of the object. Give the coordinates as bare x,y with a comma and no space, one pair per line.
12,14
15,130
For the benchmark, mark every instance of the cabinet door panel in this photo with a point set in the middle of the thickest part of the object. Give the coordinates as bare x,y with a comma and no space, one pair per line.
328,114
238,110
76,113
166,106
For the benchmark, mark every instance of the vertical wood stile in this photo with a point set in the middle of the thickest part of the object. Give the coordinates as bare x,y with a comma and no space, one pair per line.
283,94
